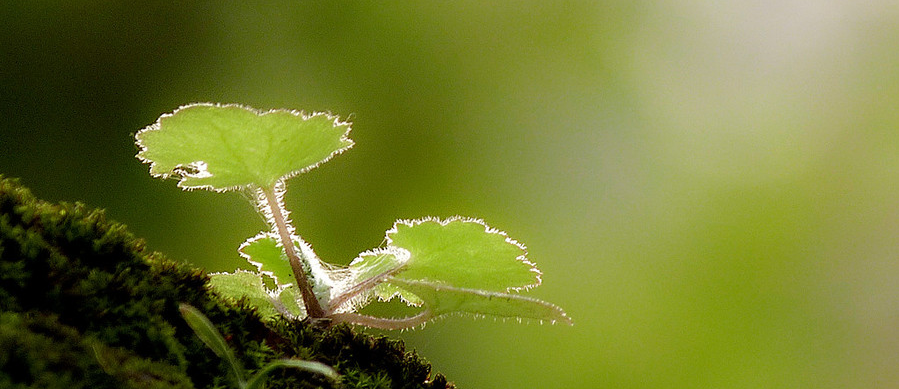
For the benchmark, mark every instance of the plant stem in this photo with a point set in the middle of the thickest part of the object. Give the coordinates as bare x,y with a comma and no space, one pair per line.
382,323
362,286
313,308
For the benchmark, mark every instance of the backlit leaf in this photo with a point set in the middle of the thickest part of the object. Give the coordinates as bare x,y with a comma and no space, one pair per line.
461,265
464,253
243,284
263,252
226,147
291,300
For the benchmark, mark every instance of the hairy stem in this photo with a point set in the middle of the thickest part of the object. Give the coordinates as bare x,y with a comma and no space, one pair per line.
382,323
363,286
313,308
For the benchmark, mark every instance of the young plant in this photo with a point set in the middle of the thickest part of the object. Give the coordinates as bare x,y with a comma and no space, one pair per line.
456,265
213,339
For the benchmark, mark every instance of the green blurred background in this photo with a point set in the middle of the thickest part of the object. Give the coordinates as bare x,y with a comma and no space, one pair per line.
710,188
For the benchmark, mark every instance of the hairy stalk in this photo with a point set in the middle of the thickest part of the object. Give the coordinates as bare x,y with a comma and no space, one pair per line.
382,323
359,288
313,308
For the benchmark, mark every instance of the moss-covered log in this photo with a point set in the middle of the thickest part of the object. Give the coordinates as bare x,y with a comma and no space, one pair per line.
83,304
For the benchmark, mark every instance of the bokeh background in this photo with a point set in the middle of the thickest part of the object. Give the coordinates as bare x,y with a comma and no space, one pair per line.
710,188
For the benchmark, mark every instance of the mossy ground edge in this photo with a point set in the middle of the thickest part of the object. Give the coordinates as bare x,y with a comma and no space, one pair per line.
84,304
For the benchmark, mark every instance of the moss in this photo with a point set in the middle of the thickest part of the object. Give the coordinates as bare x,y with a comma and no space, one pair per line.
38,351
84,304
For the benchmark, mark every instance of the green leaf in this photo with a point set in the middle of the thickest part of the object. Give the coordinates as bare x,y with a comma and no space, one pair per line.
290,299
464,253
264,252
226,147
207,332
461,265
444,299
244,284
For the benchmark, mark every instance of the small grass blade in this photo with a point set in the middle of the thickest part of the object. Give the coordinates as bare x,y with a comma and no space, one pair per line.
258,379
211,336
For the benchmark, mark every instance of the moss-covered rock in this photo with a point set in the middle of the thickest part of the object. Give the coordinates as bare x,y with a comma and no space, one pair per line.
83,304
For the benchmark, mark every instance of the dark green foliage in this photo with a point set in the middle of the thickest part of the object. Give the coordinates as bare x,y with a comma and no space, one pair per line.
83,304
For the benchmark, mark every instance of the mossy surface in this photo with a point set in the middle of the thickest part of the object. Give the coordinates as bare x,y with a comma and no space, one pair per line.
83,304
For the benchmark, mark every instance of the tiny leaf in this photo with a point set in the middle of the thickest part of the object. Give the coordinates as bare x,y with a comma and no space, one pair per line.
444,299
464,253
263,252
290,298
226,147
244,284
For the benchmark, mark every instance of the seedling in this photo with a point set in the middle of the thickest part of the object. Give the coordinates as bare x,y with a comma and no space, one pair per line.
213,339
455,265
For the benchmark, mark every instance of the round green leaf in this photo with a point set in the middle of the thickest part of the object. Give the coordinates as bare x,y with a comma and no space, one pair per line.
463,253
226,147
